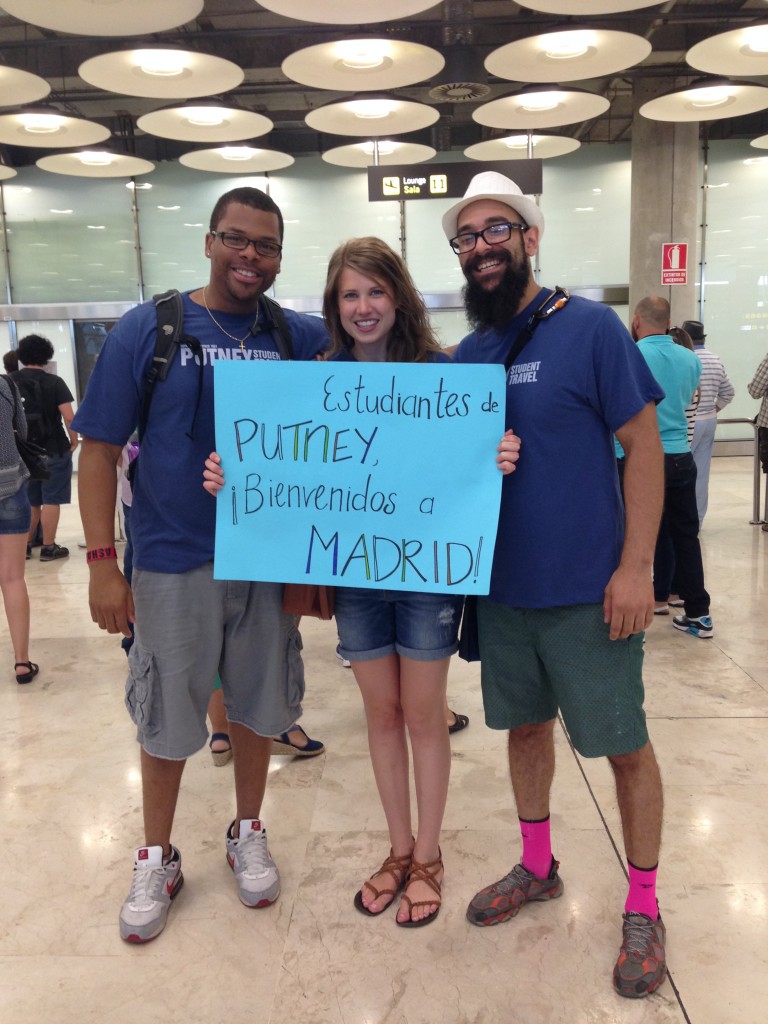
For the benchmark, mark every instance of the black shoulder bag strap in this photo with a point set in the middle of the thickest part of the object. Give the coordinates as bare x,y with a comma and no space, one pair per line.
14,400
274,321
554,301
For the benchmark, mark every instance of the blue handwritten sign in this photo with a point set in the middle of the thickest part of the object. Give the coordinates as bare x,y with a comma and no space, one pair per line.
361,475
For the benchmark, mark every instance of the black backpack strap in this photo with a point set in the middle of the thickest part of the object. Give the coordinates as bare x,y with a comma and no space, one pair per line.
170,334
170,319
37,403
274,321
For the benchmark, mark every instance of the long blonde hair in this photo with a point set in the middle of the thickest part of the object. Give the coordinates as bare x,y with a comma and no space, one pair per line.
411,339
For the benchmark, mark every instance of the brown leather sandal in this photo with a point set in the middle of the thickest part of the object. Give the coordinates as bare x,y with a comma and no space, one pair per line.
423,873
398,868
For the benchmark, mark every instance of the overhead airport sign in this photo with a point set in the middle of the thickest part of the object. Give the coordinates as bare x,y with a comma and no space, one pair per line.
446,181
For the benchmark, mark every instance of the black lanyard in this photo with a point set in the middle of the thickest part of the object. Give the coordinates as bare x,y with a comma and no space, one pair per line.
554,301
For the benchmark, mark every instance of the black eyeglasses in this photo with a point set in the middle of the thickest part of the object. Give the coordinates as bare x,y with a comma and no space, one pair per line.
491,236
233,240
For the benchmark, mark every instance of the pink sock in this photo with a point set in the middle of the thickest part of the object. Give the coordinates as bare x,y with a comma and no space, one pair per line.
641,898
537,847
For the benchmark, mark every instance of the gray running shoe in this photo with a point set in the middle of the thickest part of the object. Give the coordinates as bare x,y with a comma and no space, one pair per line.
154,885
503,900
642,964
256,874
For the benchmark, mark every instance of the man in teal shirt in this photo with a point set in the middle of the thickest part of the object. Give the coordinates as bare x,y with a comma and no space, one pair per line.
678,551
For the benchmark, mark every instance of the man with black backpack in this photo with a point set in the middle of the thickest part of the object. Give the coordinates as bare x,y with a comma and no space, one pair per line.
188,625
48,411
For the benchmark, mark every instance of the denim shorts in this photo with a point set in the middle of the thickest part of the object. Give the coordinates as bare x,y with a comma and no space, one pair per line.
15,513
375,623
58,489
536,661
190,626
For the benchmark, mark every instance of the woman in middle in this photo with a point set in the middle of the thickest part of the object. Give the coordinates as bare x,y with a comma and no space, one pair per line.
399,642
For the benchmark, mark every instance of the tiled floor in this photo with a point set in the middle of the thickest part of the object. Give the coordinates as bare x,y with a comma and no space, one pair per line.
70,817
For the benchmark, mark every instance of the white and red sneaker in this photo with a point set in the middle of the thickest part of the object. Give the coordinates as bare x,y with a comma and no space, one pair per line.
256,874
154,885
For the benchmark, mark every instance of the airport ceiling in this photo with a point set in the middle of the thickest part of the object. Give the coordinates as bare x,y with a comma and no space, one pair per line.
258,40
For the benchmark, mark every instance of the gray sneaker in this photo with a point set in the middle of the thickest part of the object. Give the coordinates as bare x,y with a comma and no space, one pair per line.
642,963
154,885
504,899
256,874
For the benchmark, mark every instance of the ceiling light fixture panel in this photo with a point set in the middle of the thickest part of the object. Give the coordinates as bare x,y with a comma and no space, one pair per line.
371,115
49,129
568,56
204,122
236,160
342,12
105,17
18,87
708,99
161,73
95,164
535,108
390,151
743,51
363,64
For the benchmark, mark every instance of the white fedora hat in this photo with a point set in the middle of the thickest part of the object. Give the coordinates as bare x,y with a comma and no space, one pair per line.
492,185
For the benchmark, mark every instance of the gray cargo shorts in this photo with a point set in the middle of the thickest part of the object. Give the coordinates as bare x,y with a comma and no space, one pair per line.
190,626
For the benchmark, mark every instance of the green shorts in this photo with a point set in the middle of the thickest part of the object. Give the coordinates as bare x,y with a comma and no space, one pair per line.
538,660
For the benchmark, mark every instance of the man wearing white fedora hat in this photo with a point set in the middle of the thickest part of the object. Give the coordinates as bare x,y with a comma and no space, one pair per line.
571,594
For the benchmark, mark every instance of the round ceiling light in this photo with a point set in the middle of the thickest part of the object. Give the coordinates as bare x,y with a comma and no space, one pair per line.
515,147
567,56
707,100
371,115
7,172
342,12
236,160
535,108
743,51
360,64
19,87
589,6
204,122
105,17
49,129
159,73
361,154
95,164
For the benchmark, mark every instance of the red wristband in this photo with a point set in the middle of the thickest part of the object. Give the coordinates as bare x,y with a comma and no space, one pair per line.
96,554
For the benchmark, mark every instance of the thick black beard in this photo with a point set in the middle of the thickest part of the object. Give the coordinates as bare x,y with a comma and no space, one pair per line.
498,307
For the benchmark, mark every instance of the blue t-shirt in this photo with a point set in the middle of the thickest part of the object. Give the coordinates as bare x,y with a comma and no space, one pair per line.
578,380
172,517
677,370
